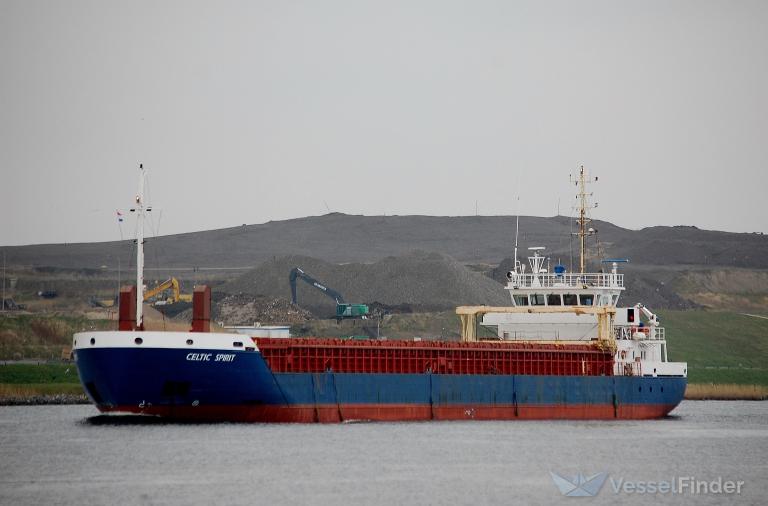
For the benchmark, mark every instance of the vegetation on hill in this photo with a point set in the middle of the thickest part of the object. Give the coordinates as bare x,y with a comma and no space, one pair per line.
720,347
27,336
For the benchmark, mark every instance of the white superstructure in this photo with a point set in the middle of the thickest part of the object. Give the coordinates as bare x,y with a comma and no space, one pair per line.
641,347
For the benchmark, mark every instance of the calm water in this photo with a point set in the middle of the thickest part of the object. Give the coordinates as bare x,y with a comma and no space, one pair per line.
68,455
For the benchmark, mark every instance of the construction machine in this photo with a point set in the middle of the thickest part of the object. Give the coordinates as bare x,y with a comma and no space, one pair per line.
169,284
343,309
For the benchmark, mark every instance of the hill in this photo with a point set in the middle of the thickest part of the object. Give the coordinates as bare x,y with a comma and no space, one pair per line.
340,238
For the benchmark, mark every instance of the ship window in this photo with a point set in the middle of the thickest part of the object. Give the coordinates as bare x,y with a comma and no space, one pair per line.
570,299
587,299
537,299
553,299
521,300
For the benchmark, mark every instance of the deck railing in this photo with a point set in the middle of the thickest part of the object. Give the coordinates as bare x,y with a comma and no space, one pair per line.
548,280
635,332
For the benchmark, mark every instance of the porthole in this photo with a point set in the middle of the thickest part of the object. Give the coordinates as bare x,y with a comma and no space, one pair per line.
93,340
237,344
190,342
138,340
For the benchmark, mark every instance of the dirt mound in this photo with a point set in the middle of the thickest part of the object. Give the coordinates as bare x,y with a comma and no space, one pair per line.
421,281
245,309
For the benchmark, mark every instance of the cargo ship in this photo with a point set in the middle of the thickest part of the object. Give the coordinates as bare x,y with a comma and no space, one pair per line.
562,349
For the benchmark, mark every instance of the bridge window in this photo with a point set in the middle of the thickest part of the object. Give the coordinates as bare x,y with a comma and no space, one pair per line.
521,300
537,299
553,299
587,299
570,299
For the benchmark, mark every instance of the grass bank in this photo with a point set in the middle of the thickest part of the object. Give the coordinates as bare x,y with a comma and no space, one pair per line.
725,392
36,336
720,347
31,383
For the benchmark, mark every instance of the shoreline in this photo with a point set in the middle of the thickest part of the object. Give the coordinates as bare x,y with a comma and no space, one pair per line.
28,395
45,400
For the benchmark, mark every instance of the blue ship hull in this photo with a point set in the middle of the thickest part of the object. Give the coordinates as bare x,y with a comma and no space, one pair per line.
174,383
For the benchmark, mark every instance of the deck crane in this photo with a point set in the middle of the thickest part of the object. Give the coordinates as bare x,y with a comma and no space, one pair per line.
343,309
653,320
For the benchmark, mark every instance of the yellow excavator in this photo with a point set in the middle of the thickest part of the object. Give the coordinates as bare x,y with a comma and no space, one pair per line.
176,295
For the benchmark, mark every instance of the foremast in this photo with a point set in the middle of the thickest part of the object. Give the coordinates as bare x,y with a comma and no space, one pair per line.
140,208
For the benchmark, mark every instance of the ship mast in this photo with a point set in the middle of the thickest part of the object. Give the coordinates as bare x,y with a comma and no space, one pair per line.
139,209
583,219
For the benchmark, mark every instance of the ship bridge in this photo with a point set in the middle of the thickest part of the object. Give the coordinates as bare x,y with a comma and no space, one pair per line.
560,288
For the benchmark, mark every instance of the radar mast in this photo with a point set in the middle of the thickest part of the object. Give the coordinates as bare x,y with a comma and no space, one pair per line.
583,220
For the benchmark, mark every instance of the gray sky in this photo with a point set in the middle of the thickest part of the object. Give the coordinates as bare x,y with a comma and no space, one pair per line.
247,112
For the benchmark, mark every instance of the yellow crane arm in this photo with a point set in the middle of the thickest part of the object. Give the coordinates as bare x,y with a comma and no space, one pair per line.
172,283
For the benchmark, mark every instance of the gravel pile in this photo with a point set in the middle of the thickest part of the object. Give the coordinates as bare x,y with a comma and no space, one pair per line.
423,281
246,309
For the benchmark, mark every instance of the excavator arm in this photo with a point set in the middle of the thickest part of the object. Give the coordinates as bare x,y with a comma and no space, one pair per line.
171,283
300,274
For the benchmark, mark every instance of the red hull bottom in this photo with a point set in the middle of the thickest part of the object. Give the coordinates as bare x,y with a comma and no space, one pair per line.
397,412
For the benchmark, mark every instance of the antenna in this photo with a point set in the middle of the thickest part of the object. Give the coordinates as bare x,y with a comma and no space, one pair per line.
584,205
